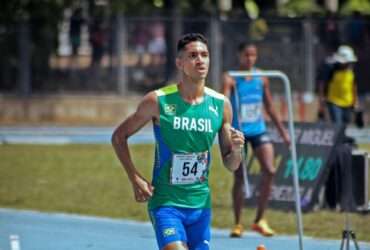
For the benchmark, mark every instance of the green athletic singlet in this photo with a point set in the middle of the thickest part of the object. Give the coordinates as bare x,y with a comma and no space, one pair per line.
184,139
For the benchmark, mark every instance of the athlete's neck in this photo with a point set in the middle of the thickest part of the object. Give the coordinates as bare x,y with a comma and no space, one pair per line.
191,92
244,68
248,69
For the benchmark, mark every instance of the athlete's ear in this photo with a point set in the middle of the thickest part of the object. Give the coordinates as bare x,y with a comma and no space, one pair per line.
179,63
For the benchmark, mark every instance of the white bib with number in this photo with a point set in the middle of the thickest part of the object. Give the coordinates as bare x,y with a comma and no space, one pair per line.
188,168
250,112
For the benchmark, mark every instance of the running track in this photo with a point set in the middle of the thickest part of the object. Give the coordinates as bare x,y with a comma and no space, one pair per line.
29,230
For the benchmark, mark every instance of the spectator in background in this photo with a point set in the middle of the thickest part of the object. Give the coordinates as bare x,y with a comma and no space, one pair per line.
75,30
157,50
338,94
98,40
338,91
140,39
157,45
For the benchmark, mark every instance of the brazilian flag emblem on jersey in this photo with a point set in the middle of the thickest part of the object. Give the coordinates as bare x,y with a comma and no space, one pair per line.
169,231
170,109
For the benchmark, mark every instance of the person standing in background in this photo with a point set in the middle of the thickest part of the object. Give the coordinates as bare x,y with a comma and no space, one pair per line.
75,30
249,95
339,92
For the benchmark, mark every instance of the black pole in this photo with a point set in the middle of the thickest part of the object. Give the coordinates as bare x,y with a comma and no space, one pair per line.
24,67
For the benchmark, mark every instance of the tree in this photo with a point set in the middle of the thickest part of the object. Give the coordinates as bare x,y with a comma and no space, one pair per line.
296,8
351,6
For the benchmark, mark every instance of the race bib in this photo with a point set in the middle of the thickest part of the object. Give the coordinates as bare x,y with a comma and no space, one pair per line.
188,168
250,112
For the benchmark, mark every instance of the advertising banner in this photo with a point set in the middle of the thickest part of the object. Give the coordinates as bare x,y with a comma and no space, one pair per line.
315,142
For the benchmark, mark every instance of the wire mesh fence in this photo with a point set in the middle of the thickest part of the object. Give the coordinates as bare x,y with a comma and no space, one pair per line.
136,54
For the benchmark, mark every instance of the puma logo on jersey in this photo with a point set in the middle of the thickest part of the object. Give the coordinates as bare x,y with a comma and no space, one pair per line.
192,124
214,110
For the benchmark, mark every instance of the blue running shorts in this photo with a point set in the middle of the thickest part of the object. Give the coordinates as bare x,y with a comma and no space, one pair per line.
189,225
258,140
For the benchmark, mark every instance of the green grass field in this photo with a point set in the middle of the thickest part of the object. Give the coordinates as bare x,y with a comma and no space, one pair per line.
88,179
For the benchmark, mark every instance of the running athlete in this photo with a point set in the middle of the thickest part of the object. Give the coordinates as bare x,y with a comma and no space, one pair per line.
186,118
248,96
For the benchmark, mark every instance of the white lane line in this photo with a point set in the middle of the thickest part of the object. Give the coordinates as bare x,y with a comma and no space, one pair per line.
14,242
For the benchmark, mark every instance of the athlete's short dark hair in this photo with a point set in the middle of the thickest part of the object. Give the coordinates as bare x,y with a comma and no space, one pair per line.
245,45
188,38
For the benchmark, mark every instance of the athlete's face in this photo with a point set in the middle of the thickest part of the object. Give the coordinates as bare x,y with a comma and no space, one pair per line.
194,60
248,57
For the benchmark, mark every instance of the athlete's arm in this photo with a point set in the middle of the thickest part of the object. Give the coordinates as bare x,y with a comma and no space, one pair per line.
227,84
231,141
146,111
267,100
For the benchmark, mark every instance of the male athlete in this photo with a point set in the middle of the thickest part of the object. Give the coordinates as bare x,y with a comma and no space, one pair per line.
249,95
186,118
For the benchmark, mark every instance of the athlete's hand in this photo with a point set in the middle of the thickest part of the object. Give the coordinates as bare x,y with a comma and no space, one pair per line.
143,190
237,139
233,157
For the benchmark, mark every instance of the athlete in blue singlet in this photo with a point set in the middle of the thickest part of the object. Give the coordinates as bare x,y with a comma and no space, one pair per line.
249,95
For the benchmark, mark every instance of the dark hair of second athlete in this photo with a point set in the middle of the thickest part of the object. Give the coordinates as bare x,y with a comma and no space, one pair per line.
188,38
244,45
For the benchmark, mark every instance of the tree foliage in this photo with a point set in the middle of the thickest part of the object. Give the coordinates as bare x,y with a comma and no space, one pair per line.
360,6
298,8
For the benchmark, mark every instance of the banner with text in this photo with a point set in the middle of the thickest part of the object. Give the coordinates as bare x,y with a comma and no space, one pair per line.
314,143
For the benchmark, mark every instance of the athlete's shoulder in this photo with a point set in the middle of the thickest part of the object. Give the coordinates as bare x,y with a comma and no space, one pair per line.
167,90
214,93
264,79
149,99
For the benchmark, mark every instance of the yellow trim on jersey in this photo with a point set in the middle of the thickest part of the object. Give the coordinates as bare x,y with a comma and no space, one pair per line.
170,89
